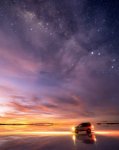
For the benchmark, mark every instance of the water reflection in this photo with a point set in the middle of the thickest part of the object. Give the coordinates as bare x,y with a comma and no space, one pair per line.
84,138
56,141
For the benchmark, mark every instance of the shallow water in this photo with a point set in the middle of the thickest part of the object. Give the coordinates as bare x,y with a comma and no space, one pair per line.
37,138
63,142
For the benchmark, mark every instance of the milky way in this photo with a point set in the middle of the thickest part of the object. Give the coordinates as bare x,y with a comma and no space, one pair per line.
59,59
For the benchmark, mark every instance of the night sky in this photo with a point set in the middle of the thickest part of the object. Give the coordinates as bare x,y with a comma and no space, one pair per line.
59,60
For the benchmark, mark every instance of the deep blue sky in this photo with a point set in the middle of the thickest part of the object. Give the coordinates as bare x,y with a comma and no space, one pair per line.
59,59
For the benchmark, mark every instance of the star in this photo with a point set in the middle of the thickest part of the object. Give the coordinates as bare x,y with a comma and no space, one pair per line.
112,67
31,29
92,53
113,59
99,54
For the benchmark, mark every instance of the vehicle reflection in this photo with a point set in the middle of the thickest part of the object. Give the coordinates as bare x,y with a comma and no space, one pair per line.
84,138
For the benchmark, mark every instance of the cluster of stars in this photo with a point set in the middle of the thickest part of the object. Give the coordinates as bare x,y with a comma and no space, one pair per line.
113,60
93,53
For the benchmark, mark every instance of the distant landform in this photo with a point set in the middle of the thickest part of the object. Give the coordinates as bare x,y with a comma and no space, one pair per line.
108,123
36,124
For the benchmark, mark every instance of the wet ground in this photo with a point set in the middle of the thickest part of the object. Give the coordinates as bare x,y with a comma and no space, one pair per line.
59,142
65,140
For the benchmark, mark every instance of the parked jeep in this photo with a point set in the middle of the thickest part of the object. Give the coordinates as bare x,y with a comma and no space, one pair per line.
86,126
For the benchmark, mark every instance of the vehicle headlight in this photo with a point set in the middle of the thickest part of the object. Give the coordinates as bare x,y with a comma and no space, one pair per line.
92,127
73,128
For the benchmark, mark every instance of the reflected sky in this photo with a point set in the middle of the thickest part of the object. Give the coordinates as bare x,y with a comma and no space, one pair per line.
35,138
58,142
